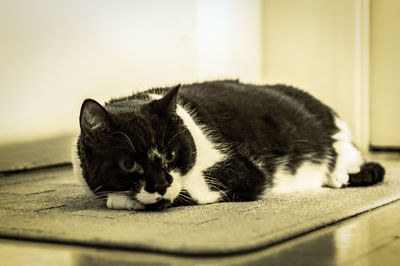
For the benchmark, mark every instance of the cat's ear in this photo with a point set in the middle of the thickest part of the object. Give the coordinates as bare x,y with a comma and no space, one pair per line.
167,104
94,120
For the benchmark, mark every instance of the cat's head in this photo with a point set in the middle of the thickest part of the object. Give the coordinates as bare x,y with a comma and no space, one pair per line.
141,148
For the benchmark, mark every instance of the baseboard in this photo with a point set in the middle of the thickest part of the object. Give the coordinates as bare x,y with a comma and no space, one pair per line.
373,148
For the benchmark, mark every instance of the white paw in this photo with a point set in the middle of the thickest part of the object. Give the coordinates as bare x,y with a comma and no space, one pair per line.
123,202
209,197
337,179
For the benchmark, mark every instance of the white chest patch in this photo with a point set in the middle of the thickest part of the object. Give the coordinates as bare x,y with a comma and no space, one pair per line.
207,155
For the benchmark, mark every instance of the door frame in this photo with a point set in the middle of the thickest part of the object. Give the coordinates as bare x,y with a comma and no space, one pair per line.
361,74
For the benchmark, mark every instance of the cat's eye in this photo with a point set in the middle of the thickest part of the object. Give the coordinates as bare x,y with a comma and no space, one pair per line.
130,166
171,156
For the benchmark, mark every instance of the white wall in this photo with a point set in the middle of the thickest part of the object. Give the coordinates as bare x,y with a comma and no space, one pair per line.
385,73
312,44
229,39
53,54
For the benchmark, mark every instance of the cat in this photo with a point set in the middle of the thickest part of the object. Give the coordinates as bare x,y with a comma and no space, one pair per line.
212,142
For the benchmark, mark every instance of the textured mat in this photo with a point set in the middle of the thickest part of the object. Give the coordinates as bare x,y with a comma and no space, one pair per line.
51,205
36,153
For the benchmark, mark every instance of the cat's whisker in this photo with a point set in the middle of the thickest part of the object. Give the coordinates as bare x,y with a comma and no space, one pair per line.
173,137
185,198
213,181
126,138
218,186
184,195
163,136
96,189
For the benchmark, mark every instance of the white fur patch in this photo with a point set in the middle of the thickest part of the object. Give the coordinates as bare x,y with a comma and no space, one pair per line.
122,201
76,165
175,188
155,96
171,193
148,198
348,159
308,176
311,175
207,155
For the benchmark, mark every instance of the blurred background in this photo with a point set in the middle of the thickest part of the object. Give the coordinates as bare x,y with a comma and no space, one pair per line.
54,54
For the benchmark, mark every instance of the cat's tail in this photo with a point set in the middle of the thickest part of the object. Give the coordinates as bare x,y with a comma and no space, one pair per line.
370,174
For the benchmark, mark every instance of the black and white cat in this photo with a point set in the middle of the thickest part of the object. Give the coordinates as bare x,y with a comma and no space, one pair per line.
214,141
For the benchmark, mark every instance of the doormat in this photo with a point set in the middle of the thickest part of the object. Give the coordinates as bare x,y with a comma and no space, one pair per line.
51,205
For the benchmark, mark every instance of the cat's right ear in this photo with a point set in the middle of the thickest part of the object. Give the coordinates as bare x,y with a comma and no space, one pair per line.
167,104
94,121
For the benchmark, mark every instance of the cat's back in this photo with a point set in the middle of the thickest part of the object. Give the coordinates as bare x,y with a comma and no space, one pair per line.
231,106
248,99
257,115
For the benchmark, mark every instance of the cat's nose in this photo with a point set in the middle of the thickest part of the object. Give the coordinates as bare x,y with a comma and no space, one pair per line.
159,185
161,189
158,181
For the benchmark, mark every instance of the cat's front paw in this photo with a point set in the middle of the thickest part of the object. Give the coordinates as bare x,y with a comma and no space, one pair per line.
209,197
123,202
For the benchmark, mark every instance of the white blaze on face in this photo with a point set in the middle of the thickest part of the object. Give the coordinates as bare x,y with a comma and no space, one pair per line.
171,193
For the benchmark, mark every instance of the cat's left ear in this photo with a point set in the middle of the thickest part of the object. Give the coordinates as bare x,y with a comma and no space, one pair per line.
167,104
94,121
